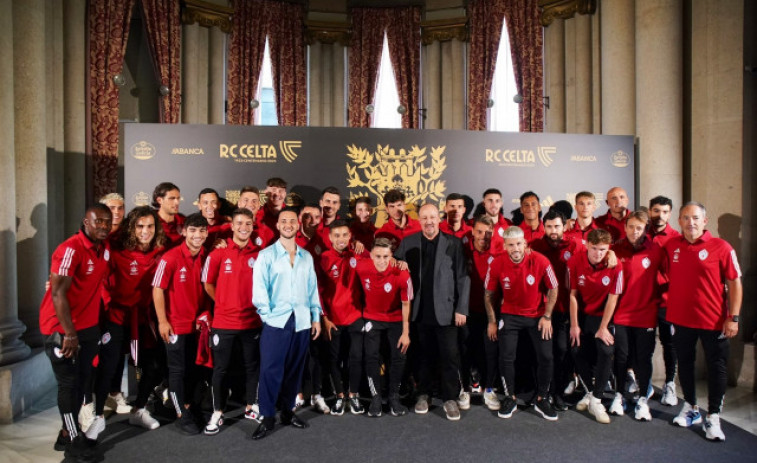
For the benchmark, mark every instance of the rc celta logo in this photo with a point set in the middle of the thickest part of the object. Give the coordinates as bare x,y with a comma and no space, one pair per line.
260,153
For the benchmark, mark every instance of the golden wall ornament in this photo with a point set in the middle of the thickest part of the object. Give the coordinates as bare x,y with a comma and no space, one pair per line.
327,33
206,14
564,9
443,30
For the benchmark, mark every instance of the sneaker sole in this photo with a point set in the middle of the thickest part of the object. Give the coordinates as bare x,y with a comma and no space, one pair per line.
357,412
504,415
211,432
494,408
544,415
337,413
464,407
373,415
398,413
643,418
421,412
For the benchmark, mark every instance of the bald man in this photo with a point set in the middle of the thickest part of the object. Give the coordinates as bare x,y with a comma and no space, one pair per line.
617,212
442,287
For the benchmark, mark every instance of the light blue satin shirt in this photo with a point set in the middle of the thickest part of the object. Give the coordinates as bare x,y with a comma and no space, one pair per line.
279,288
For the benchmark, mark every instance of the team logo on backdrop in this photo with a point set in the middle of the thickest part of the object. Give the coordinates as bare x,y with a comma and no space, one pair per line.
142,150
521,158
141,199
620,159
414,172
545,155
260,153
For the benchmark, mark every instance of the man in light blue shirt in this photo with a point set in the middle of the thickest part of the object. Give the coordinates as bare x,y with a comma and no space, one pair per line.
285,293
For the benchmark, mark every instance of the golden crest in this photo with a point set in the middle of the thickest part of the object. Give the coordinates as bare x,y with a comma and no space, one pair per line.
414,172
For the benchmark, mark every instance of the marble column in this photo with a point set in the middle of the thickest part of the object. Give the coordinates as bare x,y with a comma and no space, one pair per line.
618,67
189,75
457,68
315,84
554,39
327,90
216,76
583,73
12,349
339,111
659,98
431,88
447,84
30,160
570,75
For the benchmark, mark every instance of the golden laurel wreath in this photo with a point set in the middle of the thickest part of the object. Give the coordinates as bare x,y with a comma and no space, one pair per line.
413,172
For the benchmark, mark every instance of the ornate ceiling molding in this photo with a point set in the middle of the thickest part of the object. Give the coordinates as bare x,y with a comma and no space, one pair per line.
443,30
564,9
327,32
206,14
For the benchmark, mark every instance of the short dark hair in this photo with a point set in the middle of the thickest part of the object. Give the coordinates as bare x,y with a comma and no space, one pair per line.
242,211
364,199
599,236
586,194
484,219
99,207
662,201
207,191
641,216
249,189
553,214
392,196
160,191
528,194
382,242
288,209
491,191
455,197
338,223
195,220
330,189
276,182
311,206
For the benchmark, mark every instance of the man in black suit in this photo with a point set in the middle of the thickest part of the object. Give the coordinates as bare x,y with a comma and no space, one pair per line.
437,267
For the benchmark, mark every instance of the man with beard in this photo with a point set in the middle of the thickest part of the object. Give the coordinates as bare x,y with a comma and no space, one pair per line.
493,206
399,224
361,228
249,198
276,194
165,199
532,227
454,213
617,211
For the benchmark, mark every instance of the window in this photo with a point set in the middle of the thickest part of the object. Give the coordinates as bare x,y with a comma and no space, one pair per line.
503,115
265,114
387,99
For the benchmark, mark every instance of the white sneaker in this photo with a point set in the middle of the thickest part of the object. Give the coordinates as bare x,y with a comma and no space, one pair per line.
86,416
97,426
598,410
463,401
583,404
491,400
214,425
712,429
298,402
633,386
143,418
689,415
641,412
669,396
571,387
118,403
253,413
165,396
616,407
320,404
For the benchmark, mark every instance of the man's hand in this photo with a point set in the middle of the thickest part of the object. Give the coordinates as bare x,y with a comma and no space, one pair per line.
575,336
70,346
400,264
612,259
404,342
460,319
328,325
604,335
358,247
730,328
315,329
491,330
545,326
220,244
166,331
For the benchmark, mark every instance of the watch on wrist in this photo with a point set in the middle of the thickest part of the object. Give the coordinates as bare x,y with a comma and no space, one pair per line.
547,317
735,318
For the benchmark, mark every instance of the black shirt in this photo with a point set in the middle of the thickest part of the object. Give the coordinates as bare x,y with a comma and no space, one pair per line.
427,314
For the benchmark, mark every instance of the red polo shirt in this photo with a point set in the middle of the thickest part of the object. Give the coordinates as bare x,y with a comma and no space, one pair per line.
641,295
617,228
396,234
530,234
523,284
480,262
129,283
559,257
219,231
173,230
87,265
315,245
593,283
660,238
498,243
576,232
384,291
363,232
464,233
698,272
340,290
178,274
267,218
230,270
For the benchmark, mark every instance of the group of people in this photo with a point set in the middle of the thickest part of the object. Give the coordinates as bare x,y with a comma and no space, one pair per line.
437,303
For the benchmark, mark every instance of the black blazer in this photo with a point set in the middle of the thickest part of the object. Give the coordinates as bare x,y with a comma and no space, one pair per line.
451,279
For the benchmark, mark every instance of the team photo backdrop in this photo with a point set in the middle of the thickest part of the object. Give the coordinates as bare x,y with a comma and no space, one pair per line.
426,164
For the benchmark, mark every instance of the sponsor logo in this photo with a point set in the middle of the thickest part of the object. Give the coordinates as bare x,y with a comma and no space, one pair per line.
251,261
227,266
530,280
260,153
388,287
142,150
583,158
703,254
187,151
620,159
605,280
141,199
645,262
521,158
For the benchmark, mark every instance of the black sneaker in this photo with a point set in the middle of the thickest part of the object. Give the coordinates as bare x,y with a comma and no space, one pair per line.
338,407
545,409
396,407
187,423
375,409
507,408
356,408
61,442
80,450
558,403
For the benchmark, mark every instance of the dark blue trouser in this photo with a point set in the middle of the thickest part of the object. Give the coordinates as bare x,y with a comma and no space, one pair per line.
282,359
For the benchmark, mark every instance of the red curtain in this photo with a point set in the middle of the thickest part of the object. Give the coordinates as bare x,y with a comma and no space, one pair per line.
526,38
163,23
288,62
245,59
108,33
485,20
403,33
368,28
